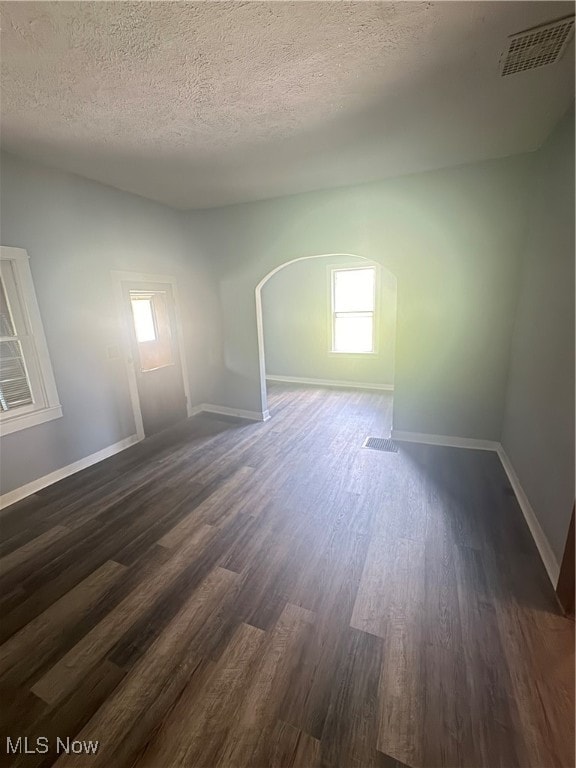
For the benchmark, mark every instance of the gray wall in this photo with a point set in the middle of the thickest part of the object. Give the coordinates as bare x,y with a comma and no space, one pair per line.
296,309
77,231
452,239
538,427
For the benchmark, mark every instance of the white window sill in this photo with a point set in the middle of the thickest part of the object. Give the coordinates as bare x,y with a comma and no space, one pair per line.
331,353
16,422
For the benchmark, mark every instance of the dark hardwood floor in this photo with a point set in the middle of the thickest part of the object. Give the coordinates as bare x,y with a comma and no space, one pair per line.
232,594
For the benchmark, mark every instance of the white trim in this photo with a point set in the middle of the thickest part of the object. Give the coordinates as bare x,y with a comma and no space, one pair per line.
224,410
548,557
30,419
447,440
118,277
332,269
543,545
59,474
126,347
37,361
259,323
14,254
332,383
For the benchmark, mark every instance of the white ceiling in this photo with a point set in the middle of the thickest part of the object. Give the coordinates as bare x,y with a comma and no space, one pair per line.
210,103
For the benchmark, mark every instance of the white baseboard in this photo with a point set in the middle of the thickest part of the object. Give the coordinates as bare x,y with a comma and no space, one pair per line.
447,440
548,557
59,474
332,383
23,491
224,410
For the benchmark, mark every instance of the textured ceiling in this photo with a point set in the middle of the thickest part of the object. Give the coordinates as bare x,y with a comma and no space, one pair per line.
202,104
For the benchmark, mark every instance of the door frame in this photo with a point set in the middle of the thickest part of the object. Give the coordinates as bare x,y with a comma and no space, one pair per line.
565,588
119,277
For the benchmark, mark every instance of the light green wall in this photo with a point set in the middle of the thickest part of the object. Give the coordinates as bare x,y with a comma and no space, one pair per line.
452,239
296,311
538,427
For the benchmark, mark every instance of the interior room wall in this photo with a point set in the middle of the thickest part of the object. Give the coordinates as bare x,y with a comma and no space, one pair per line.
76,231
296,312
538,424
452,239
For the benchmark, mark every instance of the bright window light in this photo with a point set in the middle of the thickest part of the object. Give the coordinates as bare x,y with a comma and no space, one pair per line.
144,320
353,301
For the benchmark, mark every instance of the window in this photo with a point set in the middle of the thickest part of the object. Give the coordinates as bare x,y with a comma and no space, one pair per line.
152,329
144,324
28,393
353,302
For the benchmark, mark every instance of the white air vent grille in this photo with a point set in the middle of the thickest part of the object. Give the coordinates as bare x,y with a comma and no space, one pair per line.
537,47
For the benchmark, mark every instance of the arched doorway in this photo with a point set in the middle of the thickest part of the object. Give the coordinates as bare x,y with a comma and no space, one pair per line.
304,351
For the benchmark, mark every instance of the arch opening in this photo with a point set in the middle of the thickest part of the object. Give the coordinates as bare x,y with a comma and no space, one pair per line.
307,356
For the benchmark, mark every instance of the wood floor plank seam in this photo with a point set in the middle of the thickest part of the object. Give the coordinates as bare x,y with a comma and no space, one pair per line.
26,650
20,556
139,687
68,670
242,595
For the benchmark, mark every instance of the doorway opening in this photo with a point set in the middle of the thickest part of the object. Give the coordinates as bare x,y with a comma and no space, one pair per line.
154,350
328,321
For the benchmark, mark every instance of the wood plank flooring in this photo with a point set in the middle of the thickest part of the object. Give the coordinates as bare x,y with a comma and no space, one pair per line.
241,595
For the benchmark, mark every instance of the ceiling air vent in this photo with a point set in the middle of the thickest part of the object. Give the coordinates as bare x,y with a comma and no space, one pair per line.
538,46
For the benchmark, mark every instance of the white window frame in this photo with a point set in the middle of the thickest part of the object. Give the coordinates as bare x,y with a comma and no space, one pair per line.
374,313
21,297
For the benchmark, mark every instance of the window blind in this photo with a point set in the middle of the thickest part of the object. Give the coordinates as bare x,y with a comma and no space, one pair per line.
14,384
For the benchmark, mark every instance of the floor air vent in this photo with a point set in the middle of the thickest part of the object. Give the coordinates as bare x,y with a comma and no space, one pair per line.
380,444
